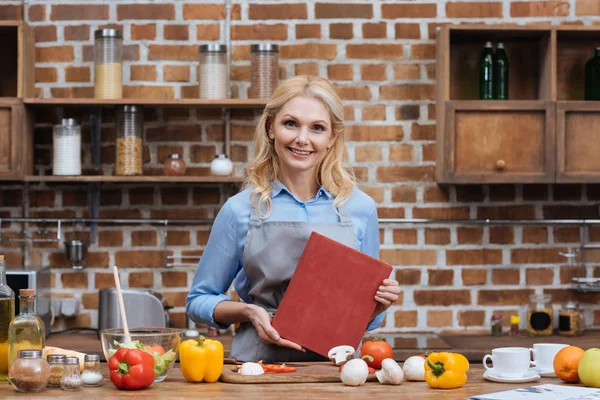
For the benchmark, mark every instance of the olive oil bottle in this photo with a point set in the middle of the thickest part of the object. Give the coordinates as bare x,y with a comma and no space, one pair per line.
486,73
7,314
26,331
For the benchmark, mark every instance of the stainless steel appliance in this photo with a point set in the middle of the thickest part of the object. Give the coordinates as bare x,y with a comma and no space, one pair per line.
144,308
37,278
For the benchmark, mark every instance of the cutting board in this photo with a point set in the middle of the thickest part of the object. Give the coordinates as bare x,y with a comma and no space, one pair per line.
305,373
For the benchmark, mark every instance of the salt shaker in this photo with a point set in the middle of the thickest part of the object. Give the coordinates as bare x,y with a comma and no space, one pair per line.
221,165
71,379
91,370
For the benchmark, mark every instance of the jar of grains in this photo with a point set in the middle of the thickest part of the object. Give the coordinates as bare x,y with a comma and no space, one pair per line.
213,71
29,372
129,143
540,315
108,64
57,369
570,319
264,70
66,148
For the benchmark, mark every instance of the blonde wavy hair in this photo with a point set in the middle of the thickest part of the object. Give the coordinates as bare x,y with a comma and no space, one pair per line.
331,173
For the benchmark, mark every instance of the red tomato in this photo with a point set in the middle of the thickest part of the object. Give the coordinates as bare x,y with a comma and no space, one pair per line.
155,348
379,349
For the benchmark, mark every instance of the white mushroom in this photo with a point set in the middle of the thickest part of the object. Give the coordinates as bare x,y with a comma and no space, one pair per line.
390,372
340,354
251,368
414,368
355,372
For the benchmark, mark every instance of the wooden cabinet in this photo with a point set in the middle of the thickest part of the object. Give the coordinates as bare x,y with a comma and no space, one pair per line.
507,141
15,140
545,133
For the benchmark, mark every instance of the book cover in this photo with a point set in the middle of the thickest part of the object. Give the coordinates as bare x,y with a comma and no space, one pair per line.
330,299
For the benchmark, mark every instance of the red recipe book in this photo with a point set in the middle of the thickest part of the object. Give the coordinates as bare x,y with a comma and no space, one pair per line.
330,299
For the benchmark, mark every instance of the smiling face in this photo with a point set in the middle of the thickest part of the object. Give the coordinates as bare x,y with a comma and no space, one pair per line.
302,133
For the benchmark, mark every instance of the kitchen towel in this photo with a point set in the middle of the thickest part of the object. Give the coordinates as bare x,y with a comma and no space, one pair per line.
330,299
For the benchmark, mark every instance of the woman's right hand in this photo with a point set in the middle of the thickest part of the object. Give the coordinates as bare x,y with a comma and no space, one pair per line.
261,320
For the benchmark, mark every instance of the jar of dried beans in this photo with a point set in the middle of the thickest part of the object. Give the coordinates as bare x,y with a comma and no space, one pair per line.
108,64
213,71
264,70
570,319
540,315
129,142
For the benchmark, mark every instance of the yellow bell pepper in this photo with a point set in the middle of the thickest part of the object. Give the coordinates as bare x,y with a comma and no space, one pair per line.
201,359
446,370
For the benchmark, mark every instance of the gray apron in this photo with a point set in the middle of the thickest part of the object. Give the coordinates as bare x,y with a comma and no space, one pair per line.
272,251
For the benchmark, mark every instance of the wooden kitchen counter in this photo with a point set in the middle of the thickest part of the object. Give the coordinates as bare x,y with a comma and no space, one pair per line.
175,387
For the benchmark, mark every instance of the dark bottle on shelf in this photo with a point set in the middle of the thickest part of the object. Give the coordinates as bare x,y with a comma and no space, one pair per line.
500,74
592,77
486,73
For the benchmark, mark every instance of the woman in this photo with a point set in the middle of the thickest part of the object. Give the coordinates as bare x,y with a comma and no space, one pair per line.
296,184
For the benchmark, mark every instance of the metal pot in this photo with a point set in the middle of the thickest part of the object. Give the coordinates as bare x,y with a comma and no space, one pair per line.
76,253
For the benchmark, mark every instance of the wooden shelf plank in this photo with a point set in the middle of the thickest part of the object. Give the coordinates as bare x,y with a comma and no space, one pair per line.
192,103
134,179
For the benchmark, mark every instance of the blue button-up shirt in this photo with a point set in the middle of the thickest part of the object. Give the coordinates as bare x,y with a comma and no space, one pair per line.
221,262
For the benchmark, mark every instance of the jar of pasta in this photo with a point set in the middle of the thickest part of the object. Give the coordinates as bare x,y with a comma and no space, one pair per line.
213,71
129,143
570,319
108,64
264,70
540,315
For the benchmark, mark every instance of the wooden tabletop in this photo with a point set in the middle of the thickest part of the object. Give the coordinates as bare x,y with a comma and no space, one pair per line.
175,386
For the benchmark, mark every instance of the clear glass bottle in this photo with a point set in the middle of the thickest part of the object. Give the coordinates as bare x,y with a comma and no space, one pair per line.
540,315
91,370
213,77
129,143
108,64
66,148
29,372
7,314
71,379
486,73
570,319
514,325
26,331
57,369
496,324
264,70
174,165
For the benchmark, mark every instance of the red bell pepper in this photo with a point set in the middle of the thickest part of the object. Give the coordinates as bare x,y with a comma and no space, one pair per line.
276,368
131,369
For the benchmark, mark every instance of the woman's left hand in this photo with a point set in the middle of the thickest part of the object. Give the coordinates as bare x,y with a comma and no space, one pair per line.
386,295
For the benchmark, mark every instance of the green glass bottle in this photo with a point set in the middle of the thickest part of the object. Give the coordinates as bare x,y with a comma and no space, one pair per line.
592,77
486,73
500,73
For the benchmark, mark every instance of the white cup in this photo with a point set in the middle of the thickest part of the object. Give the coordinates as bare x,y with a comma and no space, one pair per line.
509,362
544,353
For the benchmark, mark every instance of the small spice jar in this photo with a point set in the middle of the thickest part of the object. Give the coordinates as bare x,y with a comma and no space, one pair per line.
540,315
174,165
91,370
71,379
264,70
57,369
213,77
66,148
29,372
570,319
221,165
496,323
514,325
108,64
129,143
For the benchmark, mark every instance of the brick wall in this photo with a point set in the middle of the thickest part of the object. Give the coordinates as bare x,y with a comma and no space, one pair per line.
381,56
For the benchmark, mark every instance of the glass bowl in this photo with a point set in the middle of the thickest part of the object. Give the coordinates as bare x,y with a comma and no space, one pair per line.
162,343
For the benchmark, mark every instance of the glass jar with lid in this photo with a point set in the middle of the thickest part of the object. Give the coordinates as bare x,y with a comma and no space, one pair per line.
570,319
540,315
213,77
71,379
129,143
264,70
496,324
174,165
108,64
57,369
91,375
29,372
66,148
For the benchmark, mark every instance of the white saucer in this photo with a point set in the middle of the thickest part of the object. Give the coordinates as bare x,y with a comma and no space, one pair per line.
546,373
530,376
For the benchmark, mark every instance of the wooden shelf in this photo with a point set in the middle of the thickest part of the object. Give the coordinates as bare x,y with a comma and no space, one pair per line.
191,103
134,179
